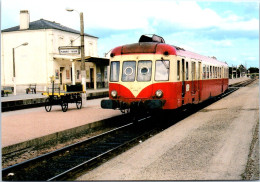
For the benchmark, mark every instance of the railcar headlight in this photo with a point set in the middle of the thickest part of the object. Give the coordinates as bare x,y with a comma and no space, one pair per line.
159,93
114,93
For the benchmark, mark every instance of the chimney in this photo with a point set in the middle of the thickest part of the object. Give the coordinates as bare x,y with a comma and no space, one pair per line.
24,19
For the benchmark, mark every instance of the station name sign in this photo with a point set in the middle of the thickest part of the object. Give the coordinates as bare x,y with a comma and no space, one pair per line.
65,50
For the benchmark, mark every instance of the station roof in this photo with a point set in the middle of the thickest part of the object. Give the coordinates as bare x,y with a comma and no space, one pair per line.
96,60
45,24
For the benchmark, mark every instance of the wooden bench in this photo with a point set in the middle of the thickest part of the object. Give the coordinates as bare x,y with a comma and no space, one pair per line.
31,88
6,91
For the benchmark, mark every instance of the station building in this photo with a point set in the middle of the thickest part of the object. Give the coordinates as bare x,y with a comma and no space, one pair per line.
40,59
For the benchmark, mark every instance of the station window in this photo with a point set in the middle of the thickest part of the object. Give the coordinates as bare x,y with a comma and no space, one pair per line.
162,70
114,71
144,71
128,72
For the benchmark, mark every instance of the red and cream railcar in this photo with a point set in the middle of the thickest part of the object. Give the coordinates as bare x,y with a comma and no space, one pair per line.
154,75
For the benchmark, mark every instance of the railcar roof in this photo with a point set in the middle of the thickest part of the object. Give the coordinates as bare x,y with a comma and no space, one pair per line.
185,53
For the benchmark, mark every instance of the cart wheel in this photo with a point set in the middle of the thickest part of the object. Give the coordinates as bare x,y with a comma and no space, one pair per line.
64,106
48,105
79,104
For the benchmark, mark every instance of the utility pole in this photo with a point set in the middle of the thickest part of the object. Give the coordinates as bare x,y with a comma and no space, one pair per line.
82,50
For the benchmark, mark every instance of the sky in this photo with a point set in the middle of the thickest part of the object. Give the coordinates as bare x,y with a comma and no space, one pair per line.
228,30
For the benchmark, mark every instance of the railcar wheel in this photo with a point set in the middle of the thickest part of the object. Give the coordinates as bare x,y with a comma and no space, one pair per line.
79,104
64,106
48,105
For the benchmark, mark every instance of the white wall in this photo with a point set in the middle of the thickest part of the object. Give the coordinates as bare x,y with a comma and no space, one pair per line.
35,63
30,60
61,38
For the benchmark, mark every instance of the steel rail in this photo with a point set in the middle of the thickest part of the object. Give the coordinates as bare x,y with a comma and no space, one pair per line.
242,83
67,174
14,172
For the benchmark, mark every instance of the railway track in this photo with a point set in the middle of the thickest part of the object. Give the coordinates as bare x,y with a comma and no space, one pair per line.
67,163
242,83
64,163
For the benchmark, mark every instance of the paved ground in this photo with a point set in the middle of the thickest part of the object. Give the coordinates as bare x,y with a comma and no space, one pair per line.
212,144
22,125
235,80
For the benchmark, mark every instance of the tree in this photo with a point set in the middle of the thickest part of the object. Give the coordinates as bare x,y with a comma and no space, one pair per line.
242,70
253,70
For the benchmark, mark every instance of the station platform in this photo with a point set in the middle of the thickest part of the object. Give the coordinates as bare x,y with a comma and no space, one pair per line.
236,80
27,128
22,101
22,129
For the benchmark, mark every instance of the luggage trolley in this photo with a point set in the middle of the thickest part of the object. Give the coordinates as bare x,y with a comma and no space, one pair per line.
72,94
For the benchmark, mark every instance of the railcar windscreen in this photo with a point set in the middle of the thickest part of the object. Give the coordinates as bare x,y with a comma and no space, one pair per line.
162,70
128,74
114,71
144,71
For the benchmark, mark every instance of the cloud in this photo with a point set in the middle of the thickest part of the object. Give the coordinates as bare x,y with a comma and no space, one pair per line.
219,28
131,15
223,43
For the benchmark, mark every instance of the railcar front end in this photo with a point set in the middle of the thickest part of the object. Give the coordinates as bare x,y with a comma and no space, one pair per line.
140,77
153,75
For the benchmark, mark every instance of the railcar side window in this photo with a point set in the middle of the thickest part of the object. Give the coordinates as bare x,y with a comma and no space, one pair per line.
114,71
204,72
128,73
162,70
193,69
187,71
210,72
178,70
144,71
207,72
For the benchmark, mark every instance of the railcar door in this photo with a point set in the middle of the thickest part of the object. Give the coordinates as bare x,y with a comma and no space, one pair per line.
222,79
199,76
193,74
183,76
